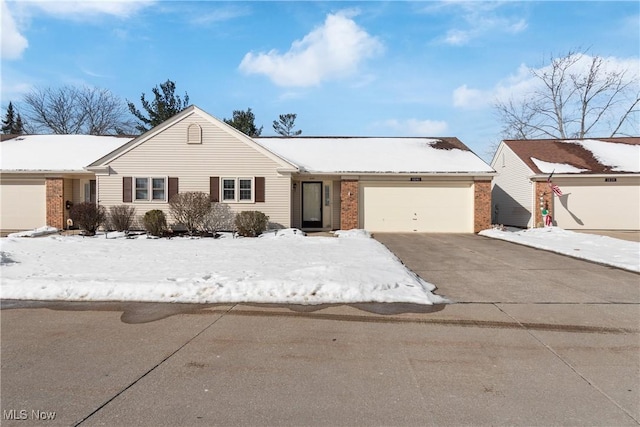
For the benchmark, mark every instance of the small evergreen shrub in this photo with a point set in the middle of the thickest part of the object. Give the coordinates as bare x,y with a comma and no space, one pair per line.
88,217
219,218
190,209
155,222
121,217
251,223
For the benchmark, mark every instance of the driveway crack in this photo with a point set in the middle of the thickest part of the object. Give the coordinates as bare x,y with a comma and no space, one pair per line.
569,365
153,368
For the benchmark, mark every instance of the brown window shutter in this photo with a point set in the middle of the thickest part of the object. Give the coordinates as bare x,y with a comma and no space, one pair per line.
260,189
173,187
127,196
214,188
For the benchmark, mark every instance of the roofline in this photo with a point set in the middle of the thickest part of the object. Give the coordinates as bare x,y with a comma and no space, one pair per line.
404,174
178,117
539,177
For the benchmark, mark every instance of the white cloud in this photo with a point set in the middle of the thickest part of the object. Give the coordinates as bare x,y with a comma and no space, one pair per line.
13,42
523,83
221,15
415,127
481,18
464,97
333,50
76,10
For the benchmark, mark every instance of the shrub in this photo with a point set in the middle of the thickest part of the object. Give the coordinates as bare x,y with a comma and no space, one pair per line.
219,218
155,222
251,223
189,209
121,217
88,216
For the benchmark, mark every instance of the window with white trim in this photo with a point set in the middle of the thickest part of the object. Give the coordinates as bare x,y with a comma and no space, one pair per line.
238,190
150,189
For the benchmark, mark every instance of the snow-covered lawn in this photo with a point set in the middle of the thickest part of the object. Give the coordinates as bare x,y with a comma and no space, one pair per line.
605,250
286,267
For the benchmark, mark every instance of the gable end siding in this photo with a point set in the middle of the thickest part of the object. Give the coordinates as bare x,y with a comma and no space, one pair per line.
219,155
511,191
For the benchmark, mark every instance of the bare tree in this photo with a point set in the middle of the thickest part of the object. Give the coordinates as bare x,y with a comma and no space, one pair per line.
573,101
73,110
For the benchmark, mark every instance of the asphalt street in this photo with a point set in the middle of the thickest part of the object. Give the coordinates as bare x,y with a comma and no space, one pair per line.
533,338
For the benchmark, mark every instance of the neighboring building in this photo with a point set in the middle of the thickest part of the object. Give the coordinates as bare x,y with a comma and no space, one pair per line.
43,175
381,184
599,180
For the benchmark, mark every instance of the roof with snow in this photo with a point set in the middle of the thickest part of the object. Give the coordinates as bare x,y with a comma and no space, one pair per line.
376,155
579,156
55,152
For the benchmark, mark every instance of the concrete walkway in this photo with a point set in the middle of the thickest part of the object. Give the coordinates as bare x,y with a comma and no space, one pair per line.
535,339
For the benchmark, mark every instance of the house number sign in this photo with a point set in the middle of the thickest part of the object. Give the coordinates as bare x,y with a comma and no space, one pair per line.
610,179
416,179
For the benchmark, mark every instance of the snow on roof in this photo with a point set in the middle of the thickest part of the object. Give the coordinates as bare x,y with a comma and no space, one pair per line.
548,167
376,155
620,157
55,152
588,156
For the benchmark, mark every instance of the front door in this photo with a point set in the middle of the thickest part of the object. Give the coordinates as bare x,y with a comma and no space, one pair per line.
312,205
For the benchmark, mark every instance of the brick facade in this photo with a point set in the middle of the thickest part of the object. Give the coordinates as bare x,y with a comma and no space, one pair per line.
481,206
348,204
544,197
55,202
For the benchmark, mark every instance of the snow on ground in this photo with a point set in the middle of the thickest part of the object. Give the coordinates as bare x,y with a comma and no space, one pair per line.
605,250
282,267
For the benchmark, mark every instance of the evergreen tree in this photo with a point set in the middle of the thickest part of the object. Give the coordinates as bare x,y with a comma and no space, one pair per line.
244,121
165,104
284,126
12,124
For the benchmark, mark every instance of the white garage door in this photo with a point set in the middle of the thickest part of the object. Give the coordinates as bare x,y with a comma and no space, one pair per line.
22,204
603,207
421,207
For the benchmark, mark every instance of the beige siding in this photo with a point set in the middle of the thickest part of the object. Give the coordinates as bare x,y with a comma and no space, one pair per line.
167,154
512,190
22,203
593,204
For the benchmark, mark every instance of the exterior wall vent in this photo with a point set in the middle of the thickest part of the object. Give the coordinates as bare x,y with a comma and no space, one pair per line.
194,134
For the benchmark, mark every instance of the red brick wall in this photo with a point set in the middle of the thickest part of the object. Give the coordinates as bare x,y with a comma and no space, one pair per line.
55,202
542,191
481,206
348,205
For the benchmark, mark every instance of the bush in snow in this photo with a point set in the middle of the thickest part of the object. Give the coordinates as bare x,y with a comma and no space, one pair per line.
88,217
189,209
219,218
121,217
251,223
155,222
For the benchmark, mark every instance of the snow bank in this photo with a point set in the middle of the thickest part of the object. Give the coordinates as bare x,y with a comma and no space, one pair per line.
311,270
42,231
605,250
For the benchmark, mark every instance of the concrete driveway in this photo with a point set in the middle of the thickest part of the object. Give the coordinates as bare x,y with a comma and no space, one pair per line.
535,339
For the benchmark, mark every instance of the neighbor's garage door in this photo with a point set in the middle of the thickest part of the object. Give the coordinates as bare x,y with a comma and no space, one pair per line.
608,206
421,207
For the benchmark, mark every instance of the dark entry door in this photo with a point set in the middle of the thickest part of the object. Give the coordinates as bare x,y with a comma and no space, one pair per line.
311,205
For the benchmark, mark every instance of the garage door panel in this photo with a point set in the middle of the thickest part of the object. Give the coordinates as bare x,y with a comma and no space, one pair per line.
420,208
23,205
598,208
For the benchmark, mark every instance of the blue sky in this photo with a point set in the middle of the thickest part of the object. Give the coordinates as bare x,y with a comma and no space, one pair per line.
345,68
